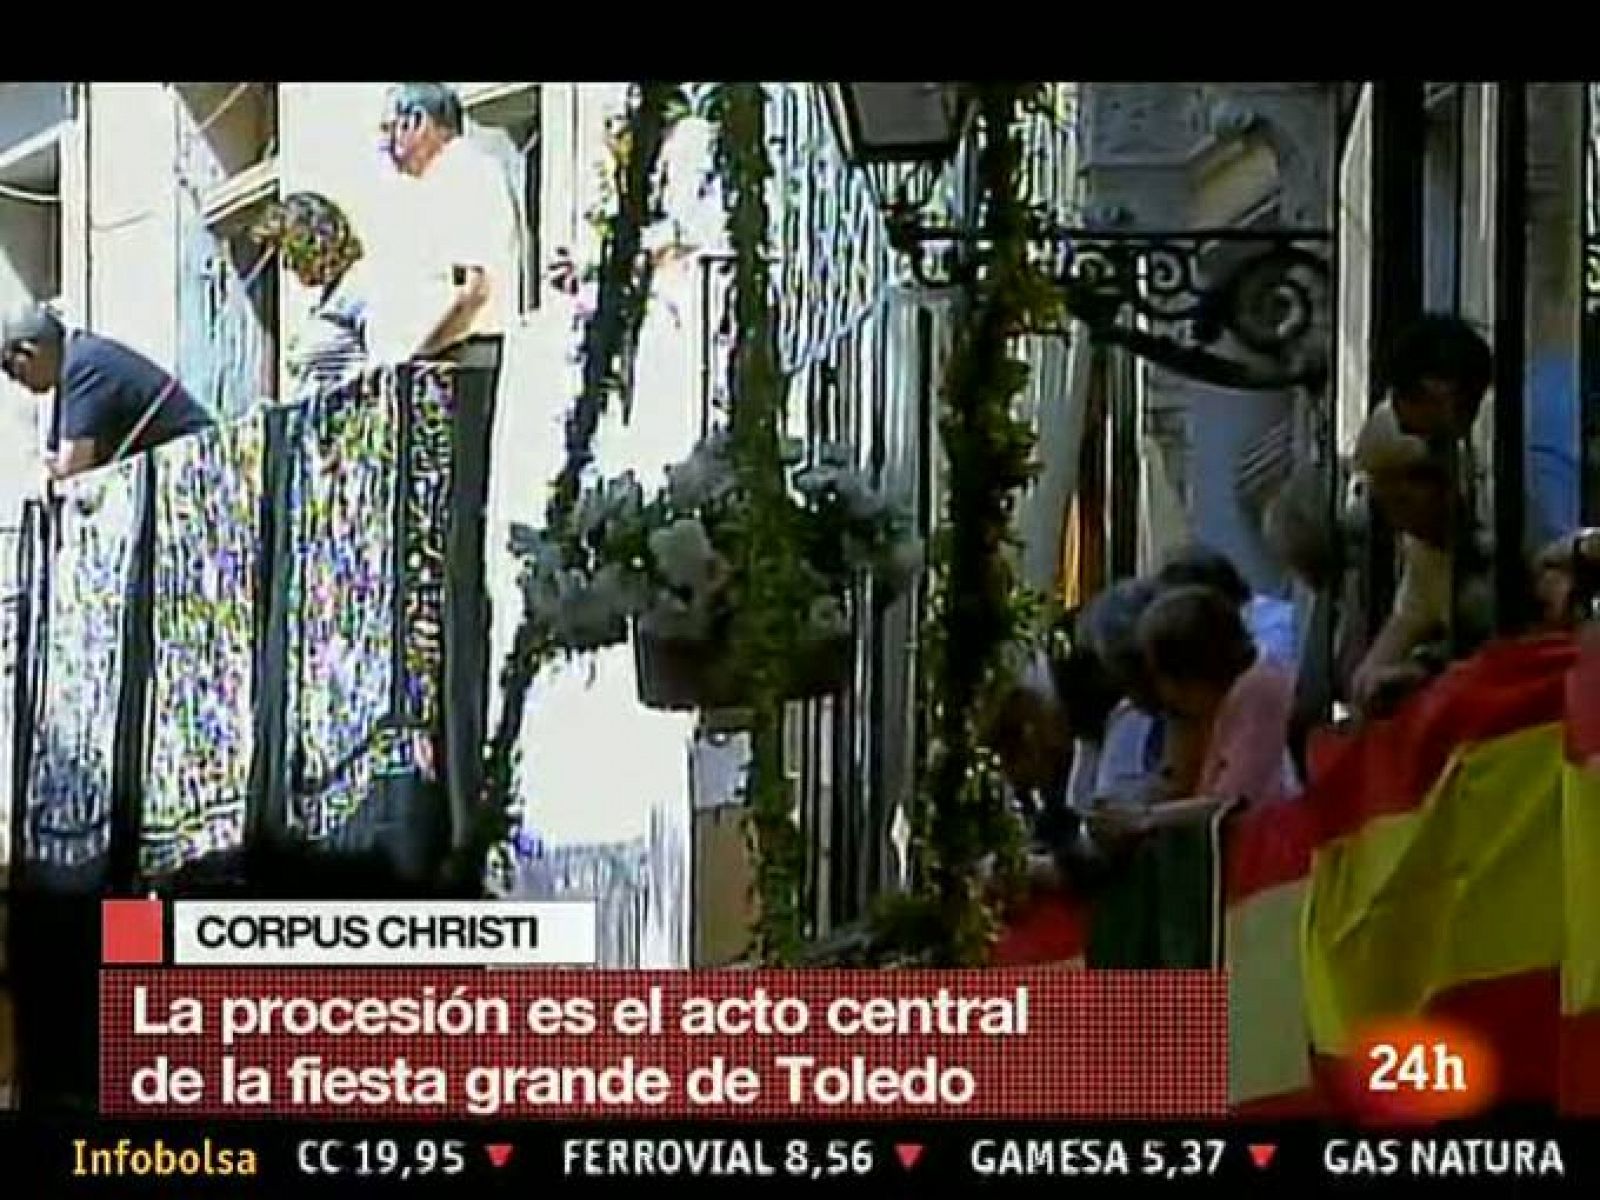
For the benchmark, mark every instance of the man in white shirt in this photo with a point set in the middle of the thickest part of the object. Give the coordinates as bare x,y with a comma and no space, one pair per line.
454,246
446,274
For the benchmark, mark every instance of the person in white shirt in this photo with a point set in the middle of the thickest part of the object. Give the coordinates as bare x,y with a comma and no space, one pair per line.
453,246
447,266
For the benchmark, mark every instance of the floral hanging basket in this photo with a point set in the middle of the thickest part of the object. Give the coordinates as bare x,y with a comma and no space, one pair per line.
687,674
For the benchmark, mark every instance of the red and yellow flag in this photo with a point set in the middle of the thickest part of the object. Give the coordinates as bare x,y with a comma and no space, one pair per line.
1265,879
1449,860
1580,817
1442,864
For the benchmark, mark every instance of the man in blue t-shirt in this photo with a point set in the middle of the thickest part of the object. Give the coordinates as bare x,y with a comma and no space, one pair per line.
111,401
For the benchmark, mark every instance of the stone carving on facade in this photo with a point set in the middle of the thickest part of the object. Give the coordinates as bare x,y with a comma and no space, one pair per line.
1141,124
1296,120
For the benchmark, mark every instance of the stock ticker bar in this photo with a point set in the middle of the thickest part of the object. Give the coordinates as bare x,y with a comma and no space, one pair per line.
282,1158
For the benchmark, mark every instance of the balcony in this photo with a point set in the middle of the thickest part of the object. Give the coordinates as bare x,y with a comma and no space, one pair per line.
243,642
248,663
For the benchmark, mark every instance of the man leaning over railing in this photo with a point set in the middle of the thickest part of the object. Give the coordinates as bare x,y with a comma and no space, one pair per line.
110,400
1414,486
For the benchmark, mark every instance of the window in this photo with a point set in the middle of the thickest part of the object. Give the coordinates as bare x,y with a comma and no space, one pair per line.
228,294
35,118
1441,198
504,118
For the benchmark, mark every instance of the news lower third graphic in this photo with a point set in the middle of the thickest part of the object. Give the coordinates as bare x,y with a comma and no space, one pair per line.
378,1012
366,1044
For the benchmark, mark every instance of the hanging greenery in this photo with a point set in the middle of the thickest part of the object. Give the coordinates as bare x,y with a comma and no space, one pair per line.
622,281
770,624
978,608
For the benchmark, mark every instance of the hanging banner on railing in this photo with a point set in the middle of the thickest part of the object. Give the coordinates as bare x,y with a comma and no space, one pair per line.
67,812
206,600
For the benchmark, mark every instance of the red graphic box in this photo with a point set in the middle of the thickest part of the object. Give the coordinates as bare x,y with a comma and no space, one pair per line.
131,933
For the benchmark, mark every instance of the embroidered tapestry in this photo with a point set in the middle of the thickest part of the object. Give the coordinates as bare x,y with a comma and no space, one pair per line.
205,589
368,512
69,801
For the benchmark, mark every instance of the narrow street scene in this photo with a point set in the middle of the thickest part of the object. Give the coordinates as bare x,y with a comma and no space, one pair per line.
1106,526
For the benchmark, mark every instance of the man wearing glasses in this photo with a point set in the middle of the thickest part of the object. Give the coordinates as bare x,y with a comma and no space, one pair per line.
110,400
446,294
455,234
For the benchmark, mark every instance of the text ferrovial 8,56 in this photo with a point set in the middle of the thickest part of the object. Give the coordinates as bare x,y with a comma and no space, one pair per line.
718,1158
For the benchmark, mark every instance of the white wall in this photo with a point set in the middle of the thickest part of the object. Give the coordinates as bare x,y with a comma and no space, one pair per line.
29,252
1222,424
328,143
132,224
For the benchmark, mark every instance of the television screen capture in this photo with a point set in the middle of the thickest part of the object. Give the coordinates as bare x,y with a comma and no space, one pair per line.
564,637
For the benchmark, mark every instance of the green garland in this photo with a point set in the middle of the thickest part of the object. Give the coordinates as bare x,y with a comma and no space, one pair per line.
767,629
611,331
977,606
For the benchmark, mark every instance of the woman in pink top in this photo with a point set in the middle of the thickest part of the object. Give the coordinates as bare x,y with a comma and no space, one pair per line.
1207,670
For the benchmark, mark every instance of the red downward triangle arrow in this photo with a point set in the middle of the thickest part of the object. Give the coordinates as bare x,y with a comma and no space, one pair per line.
500,1153
1262,1155
909,1153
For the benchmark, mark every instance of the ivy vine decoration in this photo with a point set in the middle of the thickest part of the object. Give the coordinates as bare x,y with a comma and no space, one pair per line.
966,831
622,281
769,627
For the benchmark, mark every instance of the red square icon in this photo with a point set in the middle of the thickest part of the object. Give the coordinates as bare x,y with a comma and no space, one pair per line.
131,932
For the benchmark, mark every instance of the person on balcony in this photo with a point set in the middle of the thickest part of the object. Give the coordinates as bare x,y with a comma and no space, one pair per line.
1207,669
1567,580
318,245
1439,371
1271,620
1147,757
1441,606
1046,731
450,258
445,266
1211,682
1131,751
110,401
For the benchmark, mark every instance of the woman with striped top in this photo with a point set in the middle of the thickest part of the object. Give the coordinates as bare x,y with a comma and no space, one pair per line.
320,247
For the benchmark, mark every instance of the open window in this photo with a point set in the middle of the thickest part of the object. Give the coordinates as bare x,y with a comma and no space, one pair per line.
34,117
228,288
30,213
505,119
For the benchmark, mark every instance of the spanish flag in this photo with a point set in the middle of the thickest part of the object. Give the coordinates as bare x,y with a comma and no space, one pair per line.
1580,837
1442,863
1265,880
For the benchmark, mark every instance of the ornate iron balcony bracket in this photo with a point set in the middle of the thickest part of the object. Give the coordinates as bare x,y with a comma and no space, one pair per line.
1236,308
